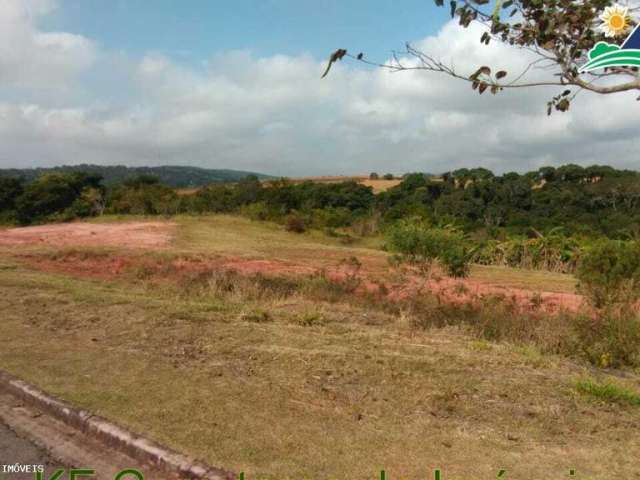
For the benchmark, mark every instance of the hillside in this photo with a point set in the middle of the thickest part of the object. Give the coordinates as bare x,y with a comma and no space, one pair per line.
173,176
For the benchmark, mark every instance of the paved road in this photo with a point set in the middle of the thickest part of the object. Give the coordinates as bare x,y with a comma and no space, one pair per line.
14,449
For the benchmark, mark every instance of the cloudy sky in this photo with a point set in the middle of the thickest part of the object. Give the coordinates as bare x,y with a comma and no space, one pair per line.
237,85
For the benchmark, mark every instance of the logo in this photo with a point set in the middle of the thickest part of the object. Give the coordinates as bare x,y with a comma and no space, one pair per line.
615,22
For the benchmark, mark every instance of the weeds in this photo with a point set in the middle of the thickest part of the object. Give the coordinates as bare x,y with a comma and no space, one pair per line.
608,392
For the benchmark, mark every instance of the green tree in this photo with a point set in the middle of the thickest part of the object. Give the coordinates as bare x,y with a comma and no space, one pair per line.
10,189
53,193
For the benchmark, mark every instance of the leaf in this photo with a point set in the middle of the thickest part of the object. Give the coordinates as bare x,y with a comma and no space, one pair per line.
475,84
494,89
513,12
566,92
453,8
483,86
439,3
501,74
484,70
507,4
563,105
480,2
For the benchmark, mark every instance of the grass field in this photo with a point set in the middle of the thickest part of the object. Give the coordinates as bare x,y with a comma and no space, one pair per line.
291,386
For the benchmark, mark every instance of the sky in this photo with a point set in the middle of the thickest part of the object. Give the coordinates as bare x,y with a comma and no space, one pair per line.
237,85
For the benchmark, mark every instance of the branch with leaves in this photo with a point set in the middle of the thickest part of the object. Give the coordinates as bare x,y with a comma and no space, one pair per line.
560,33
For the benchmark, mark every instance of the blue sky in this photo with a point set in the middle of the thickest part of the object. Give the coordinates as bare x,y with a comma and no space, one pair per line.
192,30
236,84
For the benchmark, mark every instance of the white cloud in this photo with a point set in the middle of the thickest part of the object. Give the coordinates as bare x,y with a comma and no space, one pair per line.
276,115
33,59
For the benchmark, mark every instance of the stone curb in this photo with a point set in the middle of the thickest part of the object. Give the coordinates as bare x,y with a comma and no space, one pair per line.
139,448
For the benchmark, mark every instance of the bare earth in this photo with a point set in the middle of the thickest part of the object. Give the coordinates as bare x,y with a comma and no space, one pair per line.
131,235
156,235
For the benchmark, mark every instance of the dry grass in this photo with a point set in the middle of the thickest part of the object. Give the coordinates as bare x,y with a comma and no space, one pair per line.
290,388
263,376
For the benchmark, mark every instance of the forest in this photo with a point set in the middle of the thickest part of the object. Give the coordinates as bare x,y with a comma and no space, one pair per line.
173,176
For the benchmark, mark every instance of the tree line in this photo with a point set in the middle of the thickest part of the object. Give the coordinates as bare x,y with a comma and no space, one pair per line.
597,201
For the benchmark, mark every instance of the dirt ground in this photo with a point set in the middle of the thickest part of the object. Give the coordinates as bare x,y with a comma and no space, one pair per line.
158,235
130,235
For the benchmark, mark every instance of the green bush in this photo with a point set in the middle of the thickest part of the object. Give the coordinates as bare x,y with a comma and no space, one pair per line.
610,339
609,273
417,242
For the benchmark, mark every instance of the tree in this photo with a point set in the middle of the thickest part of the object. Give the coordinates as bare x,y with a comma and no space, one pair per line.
559,34
53,193
10,189
388,176
374,176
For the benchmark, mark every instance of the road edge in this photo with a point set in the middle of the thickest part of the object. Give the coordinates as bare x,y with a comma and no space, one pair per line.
114,436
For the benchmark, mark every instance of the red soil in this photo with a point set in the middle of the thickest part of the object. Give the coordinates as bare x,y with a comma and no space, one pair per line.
461,291
373,276
131,235
448,290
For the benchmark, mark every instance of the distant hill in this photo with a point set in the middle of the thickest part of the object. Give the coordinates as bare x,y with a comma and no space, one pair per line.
174,176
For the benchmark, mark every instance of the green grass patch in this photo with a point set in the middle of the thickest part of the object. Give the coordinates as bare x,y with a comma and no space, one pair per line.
608,392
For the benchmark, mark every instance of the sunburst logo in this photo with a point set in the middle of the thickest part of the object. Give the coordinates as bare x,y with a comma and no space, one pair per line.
615,22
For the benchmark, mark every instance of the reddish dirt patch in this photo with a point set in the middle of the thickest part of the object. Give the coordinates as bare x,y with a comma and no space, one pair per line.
266,267
102,267
131,234
373,276
461,291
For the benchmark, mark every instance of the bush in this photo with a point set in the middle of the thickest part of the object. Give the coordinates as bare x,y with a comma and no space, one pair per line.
257,211
418,243
609,273
295,223
611,339
388,176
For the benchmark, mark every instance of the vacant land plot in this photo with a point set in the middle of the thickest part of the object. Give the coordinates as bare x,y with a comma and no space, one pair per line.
257,247
130,234
284,385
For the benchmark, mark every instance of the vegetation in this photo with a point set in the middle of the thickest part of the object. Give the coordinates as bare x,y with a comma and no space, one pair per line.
608,392
555,33
318,363
420,244
609,273
172,176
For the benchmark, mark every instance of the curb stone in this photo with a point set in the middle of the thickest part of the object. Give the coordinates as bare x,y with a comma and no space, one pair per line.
136,446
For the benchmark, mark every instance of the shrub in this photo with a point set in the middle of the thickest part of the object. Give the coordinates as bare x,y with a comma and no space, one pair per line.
388,176
257,211
418,243
610,339
609,273
295,223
